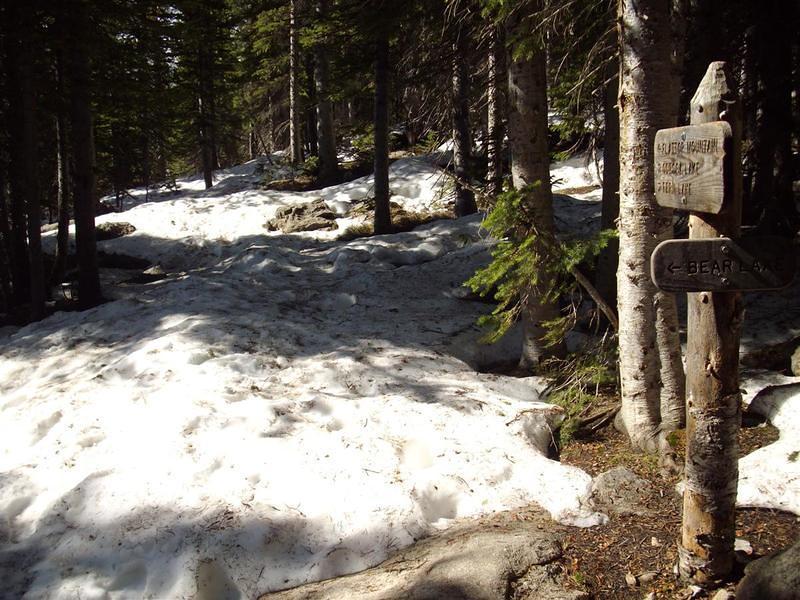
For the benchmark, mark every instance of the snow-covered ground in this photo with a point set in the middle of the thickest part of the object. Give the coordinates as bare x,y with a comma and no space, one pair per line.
278,408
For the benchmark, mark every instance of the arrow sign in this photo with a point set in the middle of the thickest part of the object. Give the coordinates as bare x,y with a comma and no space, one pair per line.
723,265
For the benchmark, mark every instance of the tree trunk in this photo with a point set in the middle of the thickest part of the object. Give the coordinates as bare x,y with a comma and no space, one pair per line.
530,173
295,142
5,237
607,261
23,176
462,145
83,184
383,218
773,175
673,377
205,116
326,136
62,169
494,112
645,37
706,549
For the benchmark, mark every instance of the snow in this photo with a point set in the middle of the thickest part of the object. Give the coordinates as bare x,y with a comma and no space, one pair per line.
280,409
277,409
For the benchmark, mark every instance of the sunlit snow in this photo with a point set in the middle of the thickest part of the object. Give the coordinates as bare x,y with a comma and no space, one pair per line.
278,408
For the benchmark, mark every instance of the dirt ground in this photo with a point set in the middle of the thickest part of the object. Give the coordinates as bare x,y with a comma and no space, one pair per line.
598,559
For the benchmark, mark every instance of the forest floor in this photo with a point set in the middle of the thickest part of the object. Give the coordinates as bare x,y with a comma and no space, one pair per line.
597,559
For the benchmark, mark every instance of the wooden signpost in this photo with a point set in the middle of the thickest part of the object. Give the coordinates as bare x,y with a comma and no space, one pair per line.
689,166
698,168
723,265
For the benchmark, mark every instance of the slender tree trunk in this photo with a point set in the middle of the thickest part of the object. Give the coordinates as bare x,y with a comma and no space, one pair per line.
530,173
706,549
62,236
295,142
83,183
607,261
326,136
773,176
645,37
494,111
383,218
204,115
311,111
5,243
62,167
462,144
26,208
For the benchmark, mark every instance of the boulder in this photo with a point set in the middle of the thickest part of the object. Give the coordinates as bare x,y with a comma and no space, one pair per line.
113,230
475,564
620,491
307,217
776,577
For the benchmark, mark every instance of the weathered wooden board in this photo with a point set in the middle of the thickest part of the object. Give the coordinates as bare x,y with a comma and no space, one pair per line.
723,265
689,166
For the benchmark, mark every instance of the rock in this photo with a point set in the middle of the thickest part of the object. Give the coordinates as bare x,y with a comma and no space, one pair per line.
111,231
307,217
472,564
647,577
775,357
776,577
620,491
723,594
630,580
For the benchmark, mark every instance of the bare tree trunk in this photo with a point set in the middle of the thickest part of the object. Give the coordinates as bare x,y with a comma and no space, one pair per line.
773,176
530,173
673,377
23,145
326,136
462,144
645,36
5,237
607,261
62,236
494,111
383,217
706,549
62,167
295,142
83,183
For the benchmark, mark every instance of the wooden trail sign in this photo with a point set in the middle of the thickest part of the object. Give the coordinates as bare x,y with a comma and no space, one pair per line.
689,166
723,265
713,397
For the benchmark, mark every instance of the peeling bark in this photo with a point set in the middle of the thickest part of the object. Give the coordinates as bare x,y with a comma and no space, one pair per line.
645,80
530,173
708,532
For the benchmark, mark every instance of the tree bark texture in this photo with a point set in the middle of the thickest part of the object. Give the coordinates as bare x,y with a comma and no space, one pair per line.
383,219
708,533
83,183
23,176
530,173
607,261
645,80
495,102
205,118
295,141
462,143
62,165
62,178
326,136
